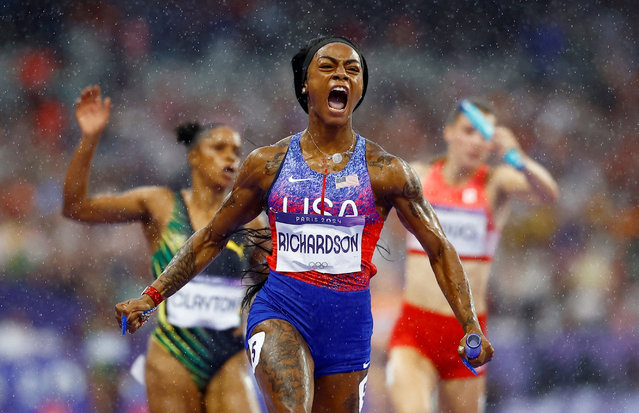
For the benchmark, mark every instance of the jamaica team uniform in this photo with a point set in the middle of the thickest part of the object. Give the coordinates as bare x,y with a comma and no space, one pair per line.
197,324
320,267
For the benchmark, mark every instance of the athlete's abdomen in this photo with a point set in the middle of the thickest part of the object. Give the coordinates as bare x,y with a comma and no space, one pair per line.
422,289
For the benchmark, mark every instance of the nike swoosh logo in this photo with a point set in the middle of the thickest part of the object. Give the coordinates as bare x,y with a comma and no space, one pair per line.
293,180
367,364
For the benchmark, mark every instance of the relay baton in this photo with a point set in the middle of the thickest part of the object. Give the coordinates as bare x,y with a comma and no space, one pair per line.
477,118
473,348
487,129
144,316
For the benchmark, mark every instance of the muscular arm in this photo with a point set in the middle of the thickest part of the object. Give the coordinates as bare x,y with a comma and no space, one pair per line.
419,218
396,184
534,183
92,114
243,204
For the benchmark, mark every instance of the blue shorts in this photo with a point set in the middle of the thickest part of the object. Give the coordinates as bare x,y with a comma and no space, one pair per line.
336,325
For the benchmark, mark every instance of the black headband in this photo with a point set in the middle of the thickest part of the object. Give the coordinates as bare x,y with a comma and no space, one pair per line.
302,60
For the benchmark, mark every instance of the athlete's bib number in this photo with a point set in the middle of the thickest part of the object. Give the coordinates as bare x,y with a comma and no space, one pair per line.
465,229
206,301
327,244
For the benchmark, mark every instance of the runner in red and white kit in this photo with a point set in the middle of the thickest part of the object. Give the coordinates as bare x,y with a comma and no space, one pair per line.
471,200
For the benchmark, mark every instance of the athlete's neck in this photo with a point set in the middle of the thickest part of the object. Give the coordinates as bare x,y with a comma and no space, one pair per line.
204,196
330,138
455,174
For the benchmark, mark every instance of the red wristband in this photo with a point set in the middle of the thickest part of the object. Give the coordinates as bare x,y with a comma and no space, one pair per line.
154,294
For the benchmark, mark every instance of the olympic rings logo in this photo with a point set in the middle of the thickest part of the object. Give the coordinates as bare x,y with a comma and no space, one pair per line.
317,265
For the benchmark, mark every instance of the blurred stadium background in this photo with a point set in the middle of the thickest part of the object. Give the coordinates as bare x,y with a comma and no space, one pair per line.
563,75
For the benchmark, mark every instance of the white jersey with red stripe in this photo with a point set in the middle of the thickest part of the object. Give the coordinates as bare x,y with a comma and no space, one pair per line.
464,213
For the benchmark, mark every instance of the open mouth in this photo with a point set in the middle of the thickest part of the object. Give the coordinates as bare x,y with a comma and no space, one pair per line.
337,98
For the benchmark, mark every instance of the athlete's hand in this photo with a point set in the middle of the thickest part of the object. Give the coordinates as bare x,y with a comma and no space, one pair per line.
132,309
92,112
504,140
486,354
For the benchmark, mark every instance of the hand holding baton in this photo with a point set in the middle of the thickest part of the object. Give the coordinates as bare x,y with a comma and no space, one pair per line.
477,118
144,317
473,349
157,298
487,129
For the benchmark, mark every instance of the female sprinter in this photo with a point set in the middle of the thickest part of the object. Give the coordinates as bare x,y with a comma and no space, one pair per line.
472,202
194,360
327,192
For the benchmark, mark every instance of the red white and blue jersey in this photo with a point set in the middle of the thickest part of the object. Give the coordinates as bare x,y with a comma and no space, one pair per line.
324,227
464,213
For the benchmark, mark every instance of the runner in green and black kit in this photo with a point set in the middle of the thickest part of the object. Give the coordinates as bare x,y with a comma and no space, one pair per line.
199,325
194,359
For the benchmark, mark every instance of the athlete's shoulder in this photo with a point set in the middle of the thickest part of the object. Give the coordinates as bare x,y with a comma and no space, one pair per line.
262,164
157,200
153,194
382,162
269,153
390,174
379,158
499,172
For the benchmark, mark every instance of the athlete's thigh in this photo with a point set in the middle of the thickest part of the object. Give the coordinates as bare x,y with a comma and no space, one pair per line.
340,393
169,386
463,395
283,366
412,380
232,389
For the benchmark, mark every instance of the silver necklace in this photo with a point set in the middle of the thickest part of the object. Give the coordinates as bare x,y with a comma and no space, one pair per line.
336,157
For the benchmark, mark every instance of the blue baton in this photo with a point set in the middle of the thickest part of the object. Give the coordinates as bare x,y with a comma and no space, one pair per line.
487,129
477,118
473,349
144,316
